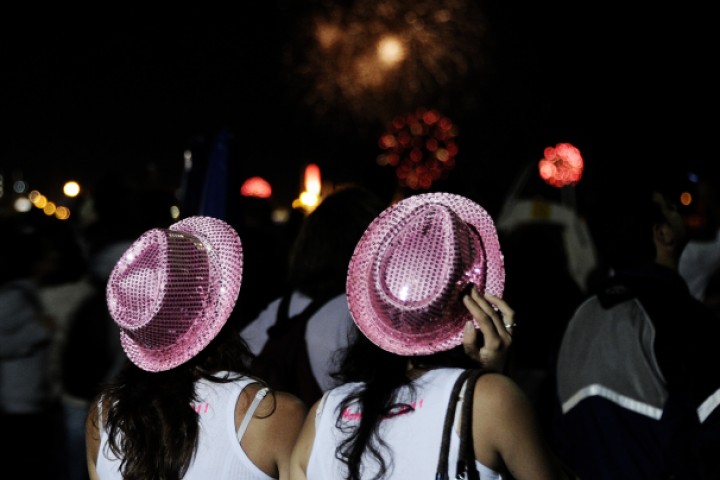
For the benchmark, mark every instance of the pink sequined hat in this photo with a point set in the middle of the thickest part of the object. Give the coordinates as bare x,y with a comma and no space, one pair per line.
173,290
413,264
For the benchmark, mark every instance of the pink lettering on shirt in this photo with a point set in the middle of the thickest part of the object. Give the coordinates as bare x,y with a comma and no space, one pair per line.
355,415
200,407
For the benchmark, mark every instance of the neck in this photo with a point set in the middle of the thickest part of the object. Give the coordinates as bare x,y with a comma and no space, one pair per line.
414,371
668,260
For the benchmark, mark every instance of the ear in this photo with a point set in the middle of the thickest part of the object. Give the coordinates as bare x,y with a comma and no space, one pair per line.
663,235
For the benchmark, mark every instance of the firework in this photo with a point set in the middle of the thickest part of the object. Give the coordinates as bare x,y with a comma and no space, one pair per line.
421,146
374,59
561,165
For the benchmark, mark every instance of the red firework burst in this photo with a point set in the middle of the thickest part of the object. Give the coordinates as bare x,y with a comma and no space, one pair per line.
561,165
420,146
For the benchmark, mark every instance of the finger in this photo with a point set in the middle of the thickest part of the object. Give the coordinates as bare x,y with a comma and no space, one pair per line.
479,308
498,319
500,304
490,328
469,340
508,314
484,303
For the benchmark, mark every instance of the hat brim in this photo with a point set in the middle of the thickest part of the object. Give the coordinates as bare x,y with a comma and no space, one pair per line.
373,321
225,277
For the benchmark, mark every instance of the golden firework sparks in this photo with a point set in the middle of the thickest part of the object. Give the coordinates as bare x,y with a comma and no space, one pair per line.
377,58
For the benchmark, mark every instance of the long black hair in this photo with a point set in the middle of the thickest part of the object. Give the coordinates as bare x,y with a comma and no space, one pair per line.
150,424
319,255
381,374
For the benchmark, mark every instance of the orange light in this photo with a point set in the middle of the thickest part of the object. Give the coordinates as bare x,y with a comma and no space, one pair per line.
40,201
62,213
310,197
686,198
49,208
312,179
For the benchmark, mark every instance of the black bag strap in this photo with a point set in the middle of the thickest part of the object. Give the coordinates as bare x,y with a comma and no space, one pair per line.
284,361
283,314
466,460
466,467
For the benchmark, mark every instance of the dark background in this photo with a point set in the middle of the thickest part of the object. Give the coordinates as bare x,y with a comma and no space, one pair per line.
86,93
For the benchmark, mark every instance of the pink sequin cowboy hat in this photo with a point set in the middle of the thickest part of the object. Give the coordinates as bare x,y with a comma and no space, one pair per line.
173,290
413,264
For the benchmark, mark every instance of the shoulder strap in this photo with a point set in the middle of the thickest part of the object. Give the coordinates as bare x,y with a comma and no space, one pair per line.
284,361
250,411
466,467
442,468
466,460
284,318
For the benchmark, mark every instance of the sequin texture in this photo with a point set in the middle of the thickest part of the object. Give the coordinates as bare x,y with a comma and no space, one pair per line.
413,264
173,290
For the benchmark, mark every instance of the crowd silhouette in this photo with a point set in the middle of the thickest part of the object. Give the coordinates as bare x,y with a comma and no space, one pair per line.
59,346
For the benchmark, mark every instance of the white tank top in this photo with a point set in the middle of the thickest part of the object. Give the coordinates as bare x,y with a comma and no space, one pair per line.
219,454
414,437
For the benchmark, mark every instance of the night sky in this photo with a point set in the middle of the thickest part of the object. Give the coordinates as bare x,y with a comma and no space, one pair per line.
632,88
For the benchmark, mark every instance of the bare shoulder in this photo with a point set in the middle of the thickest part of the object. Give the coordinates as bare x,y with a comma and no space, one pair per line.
92,418
275,405
277,422
496,381
92,436
498,392
286,406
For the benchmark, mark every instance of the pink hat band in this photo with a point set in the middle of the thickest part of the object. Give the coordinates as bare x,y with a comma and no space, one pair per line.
156,297
172,290
423,284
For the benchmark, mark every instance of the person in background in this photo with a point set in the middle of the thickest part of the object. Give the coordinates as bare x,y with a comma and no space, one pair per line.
635,373
426,273
114,211
184,405
700,259
61,292
297,335
30,410
536,265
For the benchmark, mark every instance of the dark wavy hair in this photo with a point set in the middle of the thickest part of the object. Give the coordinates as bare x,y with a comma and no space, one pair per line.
327,238
381,374
150,424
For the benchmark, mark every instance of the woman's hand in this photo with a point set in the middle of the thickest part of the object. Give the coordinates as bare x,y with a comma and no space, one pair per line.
496,327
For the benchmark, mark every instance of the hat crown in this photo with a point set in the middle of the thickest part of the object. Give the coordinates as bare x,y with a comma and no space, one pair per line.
423,267
160,287
424,259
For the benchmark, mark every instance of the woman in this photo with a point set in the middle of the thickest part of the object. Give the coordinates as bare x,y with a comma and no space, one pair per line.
413,289
184,407
296,337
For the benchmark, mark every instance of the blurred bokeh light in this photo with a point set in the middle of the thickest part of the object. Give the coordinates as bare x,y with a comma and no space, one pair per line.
256,187
420,146
561,165
71,189
310,197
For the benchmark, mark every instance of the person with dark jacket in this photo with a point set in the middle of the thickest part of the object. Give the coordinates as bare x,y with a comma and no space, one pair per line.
636,372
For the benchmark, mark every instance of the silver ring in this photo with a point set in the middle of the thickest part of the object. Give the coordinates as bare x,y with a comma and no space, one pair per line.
510,325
